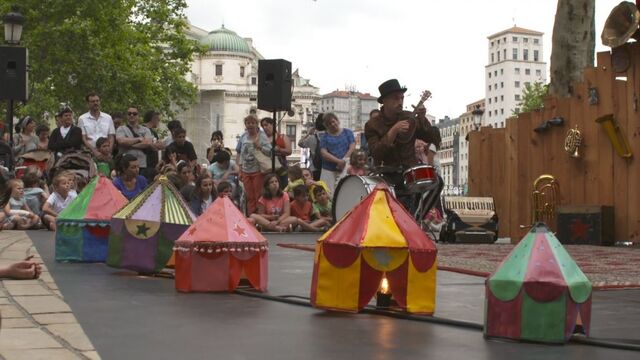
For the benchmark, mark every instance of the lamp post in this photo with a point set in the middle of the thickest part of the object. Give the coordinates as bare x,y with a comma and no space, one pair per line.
13,61
477,117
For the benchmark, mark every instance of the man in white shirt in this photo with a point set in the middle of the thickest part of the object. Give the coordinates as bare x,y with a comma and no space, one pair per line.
96,124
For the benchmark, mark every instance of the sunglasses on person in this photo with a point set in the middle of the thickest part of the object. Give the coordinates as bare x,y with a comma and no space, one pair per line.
133,113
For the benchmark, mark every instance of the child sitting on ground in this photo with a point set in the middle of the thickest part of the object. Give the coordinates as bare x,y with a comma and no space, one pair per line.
104,160
295,179
323,206
302,209
224,189
34,194
358,163
203,195
18,214
223,168
58,200
273,207
311,184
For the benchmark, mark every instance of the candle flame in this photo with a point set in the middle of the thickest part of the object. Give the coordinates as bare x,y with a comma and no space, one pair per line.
384,286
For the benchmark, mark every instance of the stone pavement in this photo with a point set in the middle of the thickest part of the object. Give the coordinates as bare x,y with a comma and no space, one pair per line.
36,321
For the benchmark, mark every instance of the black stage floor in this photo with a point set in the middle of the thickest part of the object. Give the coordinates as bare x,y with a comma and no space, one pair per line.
132,317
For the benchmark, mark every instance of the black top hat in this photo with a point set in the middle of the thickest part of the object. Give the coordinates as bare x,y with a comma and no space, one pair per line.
388,87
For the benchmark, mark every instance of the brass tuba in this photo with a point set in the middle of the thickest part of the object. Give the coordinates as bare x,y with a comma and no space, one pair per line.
572,142
544,200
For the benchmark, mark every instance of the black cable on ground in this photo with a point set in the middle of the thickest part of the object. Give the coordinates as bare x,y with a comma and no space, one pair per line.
304,301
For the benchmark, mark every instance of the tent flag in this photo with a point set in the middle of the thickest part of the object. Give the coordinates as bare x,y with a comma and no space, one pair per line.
538,293
83,226
377,239
143,232
218,248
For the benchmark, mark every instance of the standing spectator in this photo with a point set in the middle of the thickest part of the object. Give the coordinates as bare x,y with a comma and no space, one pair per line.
58,200
128,179
134,139
336,146
283,147
152,122
311,141
217,145
67,136
250,142
172,126
96,124
118,119
42,132
25,140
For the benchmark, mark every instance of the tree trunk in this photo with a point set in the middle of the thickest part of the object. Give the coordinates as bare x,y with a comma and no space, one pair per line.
573,44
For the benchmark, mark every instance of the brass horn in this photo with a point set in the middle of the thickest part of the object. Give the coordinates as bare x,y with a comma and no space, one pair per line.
621,25
572,142
544,200
615,135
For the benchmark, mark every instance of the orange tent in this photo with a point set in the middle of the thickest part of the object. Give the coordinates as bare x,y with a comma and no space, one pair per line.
377,238
218,249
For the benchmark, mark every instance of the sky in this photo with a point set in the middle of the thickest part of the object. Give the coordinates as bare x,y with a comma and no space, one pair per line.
433,45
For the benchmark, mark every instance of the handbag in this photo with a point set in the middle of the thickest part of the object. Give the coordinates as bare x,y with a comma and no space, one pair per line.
265,162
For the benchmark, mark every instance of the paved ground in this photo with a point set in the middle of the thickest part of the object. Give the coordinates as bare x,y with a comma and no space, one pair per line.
36,321
131,317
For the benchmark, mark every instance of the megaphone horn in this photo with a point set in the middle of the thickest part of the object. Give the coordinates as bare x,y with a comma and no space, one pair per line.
621,25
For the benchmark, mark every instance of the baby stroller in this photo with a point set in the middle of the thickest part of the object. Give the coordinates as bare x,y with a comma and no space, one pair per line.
79,162
43,159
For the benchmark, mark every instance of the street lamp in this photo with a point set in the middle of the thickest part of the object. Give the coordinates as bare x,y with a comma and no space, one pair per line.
13,68
13,22
477,117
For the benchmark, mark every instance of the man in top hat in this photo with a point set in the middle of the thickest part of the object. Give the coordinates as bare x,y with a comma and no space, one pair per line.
391,137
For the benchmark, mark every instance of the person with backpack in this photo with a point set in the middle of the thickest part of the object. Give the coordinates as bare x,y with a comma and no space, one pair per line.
311,141
135,139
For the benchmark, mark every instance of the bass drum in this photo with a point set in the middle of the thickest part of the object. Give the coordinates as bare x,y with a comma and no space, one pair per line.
351,190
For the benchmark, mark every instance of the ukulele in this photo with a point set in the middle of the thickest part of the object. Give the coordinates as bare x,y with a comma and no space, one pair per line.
406,137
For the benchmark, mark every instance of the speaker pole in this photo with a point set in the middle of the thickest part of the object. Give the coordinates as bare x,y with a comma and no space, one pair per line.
273,142
10,129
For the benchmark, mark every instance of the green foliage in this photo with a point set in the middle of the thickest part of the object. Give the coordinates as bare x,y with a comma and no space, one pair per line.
128,51
532,97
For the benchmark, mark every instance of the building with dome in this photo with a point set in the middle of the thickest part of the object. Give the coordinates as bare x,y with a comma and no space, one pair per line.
227,80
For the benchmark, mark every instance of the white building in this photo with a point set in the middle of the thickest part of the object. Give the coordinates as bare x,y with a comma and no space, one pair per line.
466,125
351,107
449,150
227,80
515,59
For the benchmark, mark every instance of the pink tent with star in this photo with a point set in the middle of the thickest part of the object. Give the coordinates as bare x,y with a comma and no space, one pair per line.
218,249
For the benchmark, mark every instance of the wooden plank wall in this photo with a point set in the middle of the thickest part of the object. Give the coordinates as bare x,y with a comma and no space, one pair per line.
503,163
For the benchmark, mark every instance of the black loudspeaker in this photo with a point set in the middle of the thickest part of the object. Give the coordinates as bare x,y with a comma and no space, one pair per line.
274,85
585,224
13,73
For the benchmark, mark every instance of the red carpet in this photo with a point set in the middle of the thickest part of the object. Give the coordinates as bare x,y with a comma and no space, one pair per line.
606,267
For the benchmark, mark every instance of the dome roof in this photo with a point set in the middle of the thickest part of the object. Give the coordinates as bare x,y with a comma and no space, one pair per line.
225,40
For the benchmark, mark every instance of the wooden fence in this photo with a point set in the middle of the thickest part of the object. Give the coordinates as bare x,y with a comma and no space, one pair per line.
504,163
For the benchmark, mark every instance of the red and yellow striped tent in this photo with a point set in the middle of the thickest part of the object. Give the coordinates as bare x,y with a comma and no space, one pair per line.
377,238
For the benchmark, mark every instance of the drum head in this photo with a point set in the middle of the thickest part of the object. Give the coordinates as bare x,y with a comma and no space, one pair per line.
350,191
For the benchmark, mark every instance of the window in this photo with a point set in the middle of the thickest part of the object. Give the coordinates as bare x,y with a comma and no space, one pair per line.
489,113
535,55
489,87
219,70
525,40
489,74
515,54
501,71
517,97
517,110
241,71
515,39
495,99
492,44
527,71
254,81
291,133
501,123
504,39
538,72
517,84
501,84
527,83
492,58
536,41
501,111
504,54
498,41
495,112
498,55
501,97
489,100
525,55
495,73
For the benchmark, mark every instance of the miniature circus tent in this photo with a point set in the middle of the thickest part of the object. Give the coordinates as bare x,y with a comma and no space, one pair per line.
143,232
538,293
83,226
218,249
376,238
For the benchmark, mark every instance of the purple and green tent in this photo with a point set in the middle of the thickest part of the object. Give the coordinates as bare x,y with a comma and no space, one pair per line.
143,232
83,226
538,293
